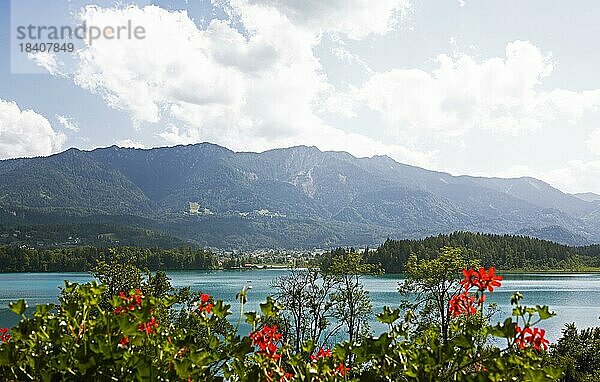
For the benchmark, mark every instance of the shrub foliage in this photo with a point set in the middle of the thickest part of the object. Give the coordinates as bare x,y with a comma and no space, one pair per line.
154,333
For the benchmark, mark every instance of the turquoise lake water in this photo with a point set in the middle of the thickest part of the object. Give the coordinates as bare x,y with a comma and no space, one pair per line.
575,297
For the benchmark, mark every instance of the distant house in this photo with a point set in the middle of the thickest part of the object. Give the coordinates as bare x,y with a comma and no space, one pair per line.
194,207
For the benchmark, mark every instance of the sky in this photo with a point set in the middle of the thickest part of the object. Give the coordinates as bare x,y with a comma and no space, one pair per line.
487,88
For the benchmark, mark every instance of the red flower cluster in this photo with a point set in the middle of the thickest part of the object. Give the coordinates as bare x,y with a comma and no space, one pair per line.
4,336
534,337
466,303
342,369
133,301
149,326
286,377
124,341
482,279
266,340
205,306
325,353
322,353
463,303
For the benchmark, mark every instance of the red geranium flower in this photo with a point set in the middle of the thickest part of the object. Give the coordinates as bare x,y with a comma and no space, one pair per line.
488,279
538,339
522,335
535,337
470,277
133,301
137,297
205,306
4,336
342,369
322,353
124,341
482,279
463,303
148,327
266,340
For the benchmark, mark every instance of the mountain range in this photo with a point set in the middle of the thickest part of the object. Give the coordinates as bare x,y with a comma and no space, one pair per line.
297,197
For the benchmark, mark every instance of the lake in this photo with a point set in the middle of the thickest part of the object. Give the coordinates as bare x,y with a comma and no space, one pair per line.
575,297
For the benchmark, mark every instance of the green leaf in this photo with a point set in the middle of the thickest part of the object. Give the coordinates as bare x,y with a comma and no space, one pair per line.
516,298
251,317
18,307
221,310
269,308
519,311
544,312
388,316
463,342
504,330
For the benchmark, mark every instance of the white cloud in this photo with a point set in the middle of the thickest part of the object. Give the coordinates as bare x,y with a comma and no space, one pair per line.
130,143
593,142
254,83
25,133
49,62
248,91
340,104
349,58
354,18
575,176
501,94
68,123
197,75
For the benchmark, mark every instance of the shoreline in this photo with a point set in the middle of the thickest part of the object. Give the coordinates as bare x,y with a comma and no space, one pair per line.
287,267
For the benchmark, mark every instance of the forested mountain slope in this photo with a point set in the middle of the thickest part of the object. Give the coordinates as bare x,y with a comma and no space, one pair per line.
298,197
506,252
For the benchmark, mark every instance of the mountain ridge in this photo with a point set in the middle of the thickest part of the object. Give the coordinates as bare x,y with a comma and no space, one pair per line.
300,194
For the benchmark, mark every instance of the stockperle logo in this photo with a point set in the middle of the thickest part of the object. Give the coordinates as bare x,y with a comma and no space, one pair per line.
41,31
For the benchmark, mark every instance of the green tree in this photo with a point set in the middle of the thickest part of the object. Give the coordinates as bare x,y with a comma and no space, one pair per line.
578,353
352,302
430,284
116,276
308,306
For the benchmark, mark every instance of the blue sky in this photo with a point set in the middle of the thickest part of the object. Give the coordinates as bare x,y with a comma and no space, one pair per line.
507,88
